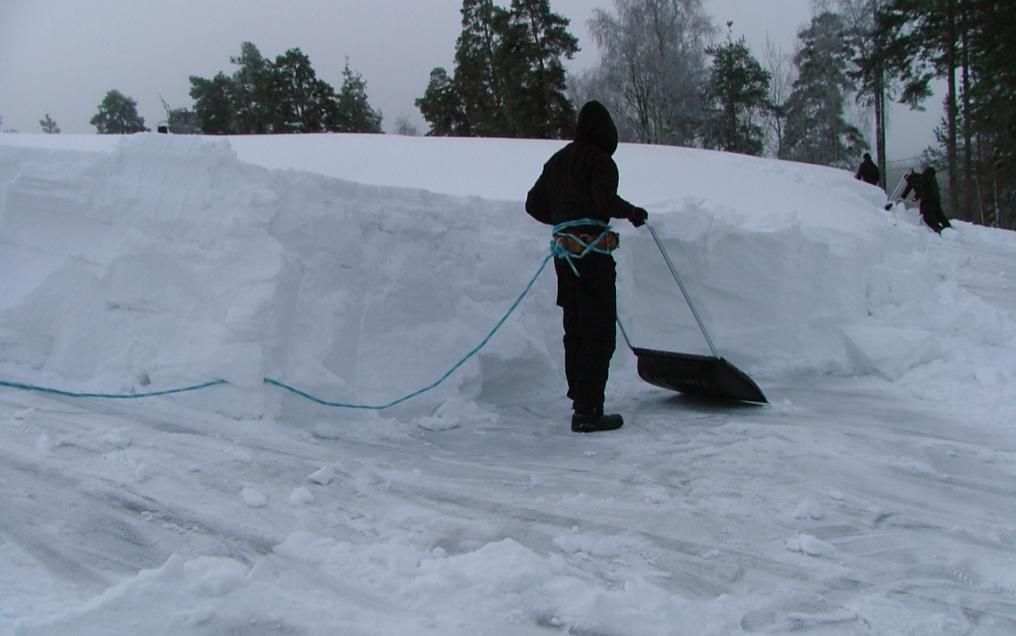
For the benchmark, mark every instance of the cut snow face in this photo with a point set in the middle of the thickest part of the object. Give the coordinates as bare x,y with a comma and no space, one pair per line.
158,261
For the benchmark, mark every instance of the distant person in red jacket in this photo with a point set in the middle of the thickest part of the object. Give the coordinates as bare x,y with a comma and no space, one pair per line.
868,171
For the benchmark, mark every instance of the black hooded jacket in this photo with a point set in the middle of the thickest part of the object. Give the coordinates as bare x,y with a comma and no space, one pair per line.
580,180
925,187
868,171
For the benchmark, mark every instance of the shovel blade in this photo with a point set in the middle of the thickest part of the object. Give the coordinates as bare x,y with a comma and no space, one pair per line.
704,376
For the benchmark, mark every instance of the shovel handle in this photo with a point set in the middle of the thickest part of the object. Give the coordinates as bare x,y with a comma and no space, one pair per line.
684,291
896,191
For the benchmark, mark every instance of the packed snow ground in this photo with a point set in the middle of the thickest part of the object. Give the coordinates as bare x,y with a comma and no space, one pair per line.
875,495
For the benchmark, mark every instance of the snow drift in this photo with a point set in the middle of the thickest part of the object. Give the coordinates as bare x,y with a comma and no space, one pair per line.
157,261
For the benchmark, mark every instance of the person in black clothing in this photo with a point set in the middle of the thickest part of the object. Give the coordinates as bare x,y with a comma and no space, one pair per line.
925,188
868,171
580,182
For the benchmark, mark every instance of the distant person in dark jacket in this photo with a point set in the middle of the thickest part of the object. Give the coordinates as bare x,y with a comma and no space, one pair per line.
580,182
924,185
868,171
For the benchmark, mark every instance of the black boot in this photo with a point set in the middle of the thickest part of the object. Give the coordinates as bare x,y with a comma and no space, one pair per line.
591,421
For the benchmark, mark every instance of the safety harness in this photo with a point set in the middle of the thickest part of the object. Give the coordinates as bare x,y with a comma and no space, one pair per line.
569,245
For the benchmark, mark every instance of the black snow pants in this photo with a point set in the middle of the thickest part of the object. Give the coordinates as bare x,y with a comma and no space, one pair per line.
589,304
934,217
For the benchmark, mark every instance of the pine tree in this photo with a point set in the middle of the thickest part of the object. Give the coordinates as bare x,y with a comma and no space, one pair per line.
536,92
872,85
213,104
738,89
118,115
920,40
509,79
479,79
255,101
540,99
816,131
48,125
441,106
354,112
303,103
989,113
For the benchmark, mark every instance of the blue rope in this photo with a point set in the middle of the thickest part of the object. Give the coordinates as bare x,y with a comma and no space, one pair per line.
304,394
110,396
559,252
475,350
556,251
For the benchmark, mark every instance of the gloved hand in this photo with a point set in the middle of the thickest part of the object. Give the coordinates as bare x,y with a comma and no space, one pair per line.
638,217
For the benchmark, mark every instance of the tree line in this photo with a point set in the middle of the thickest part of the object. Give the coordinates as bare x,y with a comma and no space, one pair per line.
660,72
670,77
261,96
667,80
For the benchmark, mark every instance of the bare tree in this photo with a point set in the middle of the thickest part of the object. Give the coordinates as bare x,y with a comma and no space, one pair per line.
405,127
593,84
781,83
653,61
48,125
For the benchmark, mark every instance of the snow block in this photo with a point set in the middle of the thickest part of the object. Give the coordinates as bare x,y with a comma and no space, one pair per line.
889,351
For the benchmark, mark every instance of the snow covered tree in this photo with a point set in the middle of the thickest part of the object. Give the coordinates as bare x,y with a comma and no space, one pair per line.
816,131
118,115
737,92
653,59
780,67
48,125
354,112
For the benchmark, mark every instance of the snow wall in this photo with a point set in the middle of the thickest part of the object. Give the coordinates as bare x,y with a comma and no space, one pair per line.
152,261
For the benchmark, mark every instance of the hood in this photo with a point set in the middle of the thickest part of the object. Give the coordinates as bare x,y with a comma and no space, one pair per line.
596,127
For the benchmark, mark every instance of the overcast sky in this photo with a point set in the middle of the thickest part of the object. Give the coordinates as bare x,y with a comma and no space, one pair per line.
62,56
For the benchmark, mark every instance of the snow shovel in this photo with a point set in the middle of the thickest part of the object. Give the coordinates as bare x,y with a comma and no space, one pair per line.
891,201
704,376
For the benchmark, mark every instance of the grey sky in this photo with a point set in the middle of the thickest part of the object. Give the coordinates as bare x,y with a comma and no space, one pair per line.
62,56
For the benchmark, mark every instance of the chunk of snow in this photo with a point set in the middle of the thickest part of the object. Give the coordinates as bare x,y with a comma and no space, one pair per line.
809,545
301,496
254,497
323,475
